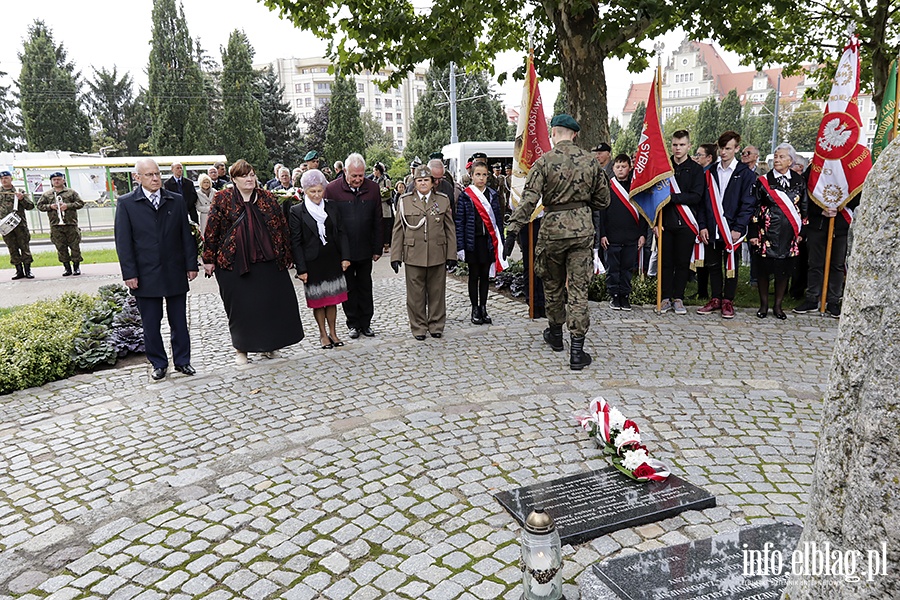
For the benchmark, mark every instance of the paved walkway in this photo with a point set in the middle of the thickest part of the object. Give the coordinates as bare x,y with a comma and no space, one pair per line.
367,471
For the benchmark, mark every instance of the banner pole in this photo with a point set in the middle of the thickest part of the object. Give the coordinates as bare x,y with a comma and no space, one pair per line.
824,297
659,251
896,96
531,269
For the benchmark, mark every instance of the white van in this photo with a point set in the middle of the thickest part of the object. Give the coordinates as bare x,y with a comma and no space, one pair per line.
456,155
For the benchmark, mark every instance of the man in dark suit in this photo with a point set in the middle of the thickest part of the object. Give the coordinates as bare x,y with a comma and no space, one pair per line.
158,257
359,201
184,187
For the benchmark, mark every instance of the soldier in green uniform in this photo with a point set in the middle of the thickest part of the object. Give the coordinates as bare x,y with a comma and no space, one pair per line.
12,200
61,205
571,185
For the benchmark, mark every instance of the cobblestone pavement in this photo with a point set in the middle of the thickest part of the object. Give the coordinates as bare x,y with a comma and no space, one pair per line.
368,471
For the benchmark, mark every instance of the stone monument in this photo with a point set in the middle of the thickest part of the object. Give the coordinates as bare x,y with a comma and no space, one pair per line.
855,496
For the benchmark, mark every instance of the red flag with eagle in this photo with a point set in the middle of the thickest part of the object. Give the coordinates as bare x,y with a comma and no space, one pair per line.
842,160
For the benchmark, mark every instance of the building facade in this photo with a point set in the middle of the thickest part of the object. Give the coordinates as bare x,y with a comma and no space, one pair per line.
307,85
695,71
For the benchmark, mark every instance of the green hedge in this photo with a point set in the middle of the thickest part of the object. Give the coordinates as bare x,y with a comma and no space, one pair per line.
36,341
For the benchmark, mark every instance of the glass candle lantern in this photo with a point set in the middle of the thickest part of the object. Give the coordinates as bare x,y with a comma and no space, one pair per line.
541,558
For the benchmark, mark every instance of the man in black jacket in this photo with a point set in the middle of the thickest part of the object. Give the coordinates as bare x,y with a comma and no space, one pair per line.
184,187
359,200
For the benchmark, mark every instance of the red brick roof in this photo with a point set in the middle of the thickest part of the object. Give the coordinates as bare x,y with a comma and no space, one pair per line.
639,92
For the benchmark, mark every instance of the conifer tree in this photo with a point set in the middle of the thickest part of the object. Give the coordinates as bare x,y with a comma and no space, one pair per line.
345,133
707,123
241,129
729,114
10,124
279,123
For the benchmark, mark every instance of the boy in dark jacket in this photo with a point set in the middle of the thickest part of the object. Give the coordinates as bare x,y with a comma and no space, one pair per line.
621,233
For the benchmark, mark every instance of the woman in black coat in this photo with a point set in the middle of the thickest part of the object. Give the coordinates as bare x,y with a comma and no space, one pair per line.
774,231
321,255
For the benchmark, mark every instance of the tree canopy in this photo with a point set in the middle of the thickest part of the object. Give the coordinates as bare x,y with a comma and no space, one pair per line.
10,125
110,102
345,132
241,128
279,123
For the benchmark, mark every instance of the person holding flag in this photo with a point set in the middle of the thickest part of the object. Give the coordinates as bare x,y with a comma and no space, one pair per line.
621,233
571,184
730,205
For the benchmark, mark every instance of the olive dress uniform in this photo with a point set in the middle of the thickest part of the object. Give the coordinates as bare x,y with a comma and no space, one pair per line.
65,235
424,240
19,238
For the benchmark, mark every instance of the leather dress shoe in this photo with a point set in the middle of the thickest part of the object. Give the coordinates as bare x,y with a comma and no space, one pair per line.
368,332
354,333
158,373
186,369
437,334
419,337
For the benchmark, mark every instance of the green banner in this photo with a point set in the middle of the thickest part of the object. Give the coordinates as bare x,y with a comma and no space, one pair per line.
886,114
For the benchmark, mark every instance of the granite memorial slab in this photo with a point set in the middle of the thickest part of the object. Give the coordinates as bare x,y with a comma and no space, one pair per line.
710,568
591,504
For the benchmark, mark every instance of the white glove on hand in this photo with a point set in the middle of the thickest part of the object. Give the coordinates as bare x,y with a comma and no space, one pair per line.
598,266
460,255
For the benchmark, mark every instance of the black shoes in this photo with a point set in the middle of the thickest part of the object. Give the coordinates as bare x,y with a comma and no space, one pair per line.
437,335
476,316
158,373
68,271
421,338
368,332
578,358
833,310
76,268
553,336
615,303
20,273
805,307
186,369
28,274
484,316
624,303
354,333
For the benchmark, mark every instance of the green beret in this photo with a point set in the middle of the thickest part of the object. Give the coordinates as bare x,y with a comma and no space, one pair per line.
564,120
311,155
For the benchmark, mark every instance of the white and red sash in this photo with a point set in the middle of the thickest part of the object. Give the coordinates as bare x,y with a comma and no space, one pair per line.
848,215
784,203
687,215
622,194
487,216
722,223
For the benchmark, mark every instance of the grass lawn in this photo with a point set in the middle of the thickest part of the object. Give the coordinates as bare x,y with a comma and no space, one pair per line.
48,259
84,234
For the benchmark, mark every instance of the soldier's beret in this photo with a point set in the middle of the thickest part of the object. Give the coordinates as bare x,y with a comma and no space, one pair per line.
436,155
311,155
5,174
602,147
57,174
564,120
422,171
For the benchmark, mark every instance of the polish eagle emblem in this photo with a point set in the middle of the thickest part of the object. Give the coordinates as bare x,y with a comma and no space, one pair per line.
834,135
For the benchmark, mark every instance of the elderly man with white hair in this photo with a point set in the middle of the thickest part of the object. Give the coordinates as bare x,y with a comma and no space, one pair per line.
359,201
184,187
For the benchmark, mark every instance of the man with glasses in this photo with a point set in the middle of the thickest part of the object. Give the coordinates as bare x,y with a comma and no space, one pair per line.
158,257
706,155
750,157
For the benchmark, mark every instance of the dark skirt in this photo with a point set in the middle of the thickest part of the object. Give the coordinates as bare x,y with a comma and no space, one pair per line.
262,309
782,268
325,284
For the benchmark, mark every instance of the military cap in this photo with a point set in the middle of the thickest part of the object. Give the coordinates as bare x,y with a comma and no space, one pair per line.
5,174
602,147
436,155
422,171
496,166
57,174
478,155
564,120
311,155
415,163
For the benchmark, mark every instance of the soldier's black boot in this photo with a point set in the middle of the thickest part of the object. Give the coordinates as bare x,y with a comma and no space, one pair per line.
578,358
484,316
20,272
76,268
476,316
68,270
553,336
28,274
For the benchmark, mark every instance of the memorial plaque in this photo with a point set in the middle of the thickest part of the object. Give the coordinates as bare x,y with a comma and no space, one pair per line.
588,505
710,568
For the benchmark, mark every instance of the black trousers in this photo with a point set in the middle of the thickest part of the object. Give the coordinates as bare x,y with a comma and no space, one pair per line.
721,287
479,278
817,240
151,310
360,305
677,247
523,244
621,259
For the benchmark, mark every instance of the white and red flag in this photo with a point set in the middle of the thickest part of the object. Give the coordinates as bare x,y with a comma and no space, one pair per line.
842,160
532,136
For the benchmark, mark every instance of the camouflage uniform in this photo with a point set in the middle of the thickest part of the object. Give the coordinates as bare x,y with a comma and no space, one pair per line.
572,185
65,235
18,239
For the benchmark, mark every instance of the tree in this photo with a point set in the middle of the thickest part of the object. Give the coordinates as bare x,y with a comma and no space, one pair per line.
345,132
49,95
109,103
615,130
562,100
636,124
279,123
626,143
707,130
178,106
757,128
316,126
574,38
686,119
803,126
138,125
729,114
211,72
241,128
373,133
481,118
10,125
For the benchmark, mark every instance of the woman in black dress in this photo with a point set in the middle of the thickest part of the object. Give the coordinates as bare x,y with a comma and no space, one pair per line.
247,246
321,249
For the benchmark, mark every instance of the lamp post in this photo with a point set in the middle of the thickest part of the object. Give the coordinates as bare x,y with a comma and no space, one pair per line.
541,558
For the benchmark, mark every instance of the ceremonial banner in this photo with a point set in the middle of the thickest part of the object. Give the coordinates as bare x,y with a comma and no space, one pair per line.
887,114
650,188
841,161
532,137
